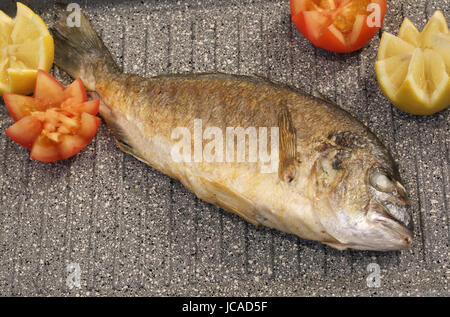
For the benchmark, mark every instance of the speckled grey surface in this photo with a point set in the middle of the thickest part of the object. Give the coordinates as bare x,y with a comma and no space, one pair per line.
134,231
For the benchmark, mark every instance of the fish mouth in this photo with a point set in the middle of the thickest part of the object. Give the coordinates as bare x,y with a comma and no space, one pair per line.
397,213
395,219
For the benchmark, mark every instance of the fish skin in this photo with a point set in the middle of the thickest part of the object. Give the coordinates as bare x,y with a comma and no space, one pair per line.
321,191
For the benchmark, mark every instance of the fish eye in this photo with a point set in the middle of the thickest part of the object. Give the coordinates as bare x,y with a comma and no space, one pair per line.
381,181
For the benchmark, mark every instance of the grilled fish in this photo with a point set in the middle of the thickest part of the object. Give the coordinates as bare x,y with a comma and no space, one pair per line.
334,181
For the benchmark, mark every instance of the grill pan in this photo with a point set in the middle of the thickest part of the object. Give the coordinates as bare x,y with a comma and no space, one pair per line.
135,231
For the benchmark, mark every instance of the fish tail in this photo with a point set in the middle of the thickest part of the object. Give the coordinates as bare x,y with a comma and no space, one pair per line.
79,51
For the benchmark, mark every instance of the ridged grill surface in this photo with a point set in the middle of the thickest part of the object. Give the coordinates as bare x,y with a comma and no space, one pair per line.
134,231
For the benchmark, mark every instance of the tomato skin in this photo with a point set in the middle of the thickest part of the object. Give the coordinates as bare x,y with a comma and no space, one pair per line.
18,106
70,145
31,125
326,39
90,107
297,6
44,151
48,92
367,32
74,94
89,126
330,42
57,122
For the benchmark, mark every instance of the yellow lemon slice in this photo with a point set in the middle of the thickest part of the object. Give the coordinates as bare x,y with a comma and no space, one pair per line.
409,33
440,43
392,72
25,46
391,45
413,68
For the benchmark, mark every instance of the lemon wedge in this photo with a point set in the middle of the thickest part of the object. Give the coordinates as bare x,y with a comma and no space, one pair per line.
25,46
413,68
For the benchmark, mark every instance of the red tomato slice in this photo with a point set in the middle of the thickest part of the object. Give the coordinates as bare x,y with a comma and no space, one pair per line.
18,106
340,26
74,94
90,107
71,144
57,122
89,126
66,139
48,91
31,125
45,150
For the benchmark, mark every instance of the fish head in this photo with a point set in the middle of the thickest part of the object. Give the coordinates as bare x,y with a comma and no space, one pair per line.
360,200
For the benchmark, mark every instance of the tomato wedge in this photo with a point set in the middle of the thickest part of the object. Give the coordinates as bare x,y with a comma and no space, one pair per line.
31,125
74,94
57,122
48,92
19,106
90,107
340,26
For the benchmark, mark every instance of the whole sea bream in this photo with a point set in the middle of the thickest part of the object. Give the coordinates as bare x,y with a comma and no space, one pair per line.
334,181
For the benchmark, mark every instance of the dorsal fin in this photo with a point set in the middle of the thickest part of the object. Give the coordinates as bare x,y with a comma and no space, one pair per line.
288,151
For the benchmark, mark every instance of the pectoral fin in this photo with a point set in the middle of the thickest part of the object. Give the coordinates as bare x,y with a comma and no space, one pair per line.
229,200
129,150
120,136
288,151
